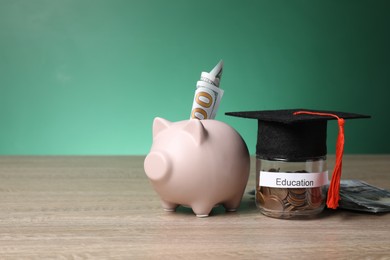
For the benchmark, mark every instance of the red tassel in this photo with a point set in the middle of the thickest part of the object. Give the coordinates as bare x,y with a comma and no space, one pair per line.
334,186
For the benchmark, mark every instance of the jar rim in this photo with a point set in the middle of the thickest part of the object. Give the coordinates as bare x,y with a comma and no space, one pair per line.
317,158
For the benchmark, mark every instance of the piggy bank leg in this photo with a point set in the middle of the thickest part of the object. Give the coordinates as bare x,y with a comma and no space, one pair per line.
202,210
168,206
233,204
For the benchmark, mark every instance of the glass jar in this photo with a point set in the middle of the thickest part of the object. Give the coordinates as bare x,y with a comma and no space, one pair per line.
291,189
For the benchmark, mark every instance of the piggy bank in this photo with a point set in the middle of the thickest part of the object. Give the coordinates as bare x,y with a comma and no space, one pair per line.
198,164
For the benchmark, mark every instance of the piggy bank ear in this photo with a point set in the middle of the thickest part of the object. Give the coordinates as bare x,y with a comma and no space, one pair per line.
196,129
160,124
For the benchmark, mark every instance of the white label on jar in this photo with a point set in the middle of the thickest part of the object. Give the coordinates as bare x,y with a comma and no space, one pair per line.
293,180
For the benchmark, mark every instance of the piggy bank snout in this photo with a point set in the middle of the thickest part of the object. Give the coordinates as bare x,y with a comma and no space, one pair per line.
157,166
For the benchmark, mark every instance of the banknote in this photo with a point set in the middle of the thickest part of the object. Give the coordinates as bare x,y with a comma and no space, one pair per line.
214,76
208,94
361,196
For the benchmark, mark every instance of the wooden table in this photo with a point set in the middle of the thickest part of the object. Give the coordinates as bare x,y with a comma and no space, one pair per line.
105,208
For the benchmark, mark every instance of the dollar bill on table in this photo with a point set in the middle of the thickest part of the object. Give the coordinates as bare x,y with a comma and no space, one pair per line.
360,196
207,94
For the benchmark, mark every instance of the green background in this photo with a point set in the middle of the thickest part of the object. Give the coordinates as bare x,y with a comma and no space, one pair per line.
88,77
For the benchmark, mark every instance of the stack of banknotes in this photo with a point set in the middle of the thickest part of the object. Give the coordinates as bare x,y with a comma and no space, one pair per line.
361,196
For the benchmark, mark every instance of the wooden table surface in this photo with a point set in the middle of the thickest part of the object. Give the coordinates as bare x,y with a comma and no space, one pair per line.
104,208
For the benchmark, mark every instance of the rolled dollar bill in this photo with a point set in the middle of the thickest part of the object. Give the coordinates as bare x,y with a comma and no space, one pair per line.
206,101
207,94
209,78
214,76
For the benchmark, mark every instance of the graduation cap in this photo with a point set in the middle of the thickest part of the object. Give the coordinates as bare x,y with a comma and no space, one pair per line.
297,135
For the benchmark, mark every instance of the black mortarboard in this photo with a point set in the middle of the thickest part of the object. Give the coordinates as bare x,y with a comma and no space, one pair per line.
285,135
299,134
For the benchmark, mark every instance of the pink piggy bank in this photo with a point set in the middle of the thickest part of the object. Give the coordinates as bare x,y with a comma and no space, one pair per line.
197,163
